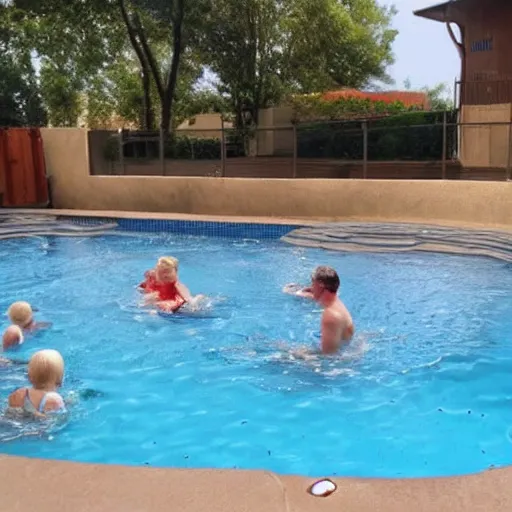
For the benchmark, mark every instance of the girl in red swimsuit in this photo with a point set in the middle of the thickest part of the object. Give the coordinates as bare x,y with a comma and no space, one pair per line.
163,288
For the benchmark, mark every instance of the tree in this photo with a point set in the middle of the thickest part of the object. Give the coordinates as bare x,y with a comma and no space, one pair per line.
20,98
176,20
440,96
335,43
74,40
263,49
118,92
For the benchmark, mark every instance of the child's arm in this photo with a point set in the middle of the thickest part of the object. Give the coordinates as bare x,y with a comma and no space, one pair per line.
171,306
54,403
184,292
151,298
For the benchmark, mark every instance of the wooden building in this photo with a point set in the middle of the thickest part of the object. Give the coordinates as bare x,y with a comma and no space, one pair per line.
481,31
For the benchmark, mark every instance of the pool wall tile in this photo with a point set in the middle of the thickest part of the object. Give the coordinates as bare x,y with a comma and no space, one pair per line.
191,227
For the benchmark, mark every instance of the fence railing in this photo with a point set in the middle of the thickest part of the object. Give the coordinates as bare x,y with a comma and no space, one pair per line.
324,150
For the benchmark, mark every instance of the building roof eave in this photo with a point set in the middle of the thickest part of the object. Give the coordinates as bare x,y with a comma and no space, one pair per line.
445,12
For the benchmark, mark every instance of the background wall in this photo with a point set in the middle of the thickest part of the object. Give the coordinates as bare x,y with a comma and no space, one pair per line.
457,201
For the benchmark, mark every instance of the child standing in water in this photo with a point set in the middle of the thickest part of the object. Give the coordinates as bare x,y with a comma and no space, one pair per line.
21,316
163,288
45,372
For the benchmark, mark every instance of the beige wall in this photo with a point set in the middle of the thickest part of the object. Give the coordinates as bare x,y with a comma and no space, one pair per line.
204,126
485,146
278,139
73,187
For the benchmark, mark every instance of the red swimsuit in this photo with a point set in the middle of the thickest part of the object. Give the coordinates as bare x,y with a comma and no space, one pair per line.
166,292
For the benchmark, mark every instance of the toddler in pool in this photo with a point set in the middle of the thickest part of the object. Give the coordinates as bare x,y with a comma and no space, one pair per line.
162,287
46,373
21,316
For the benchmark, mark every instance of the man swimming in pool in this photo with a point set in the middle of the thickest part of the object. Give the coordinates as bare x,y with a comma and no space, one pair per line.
337,326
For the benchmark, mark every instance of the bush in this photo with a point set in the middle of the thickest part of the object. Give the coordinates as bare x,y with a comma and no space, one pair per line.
181,147
193,148
409,136
314,107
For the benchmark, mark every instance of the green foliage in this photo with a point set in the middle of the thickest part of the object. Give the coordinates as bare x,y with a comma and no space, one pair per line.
181,147
116,94
263,49
241,43
20,95
184,147
410,136
180,24
331,43
61,95
20,99
440,96
313,107
139,60
77,36
74,40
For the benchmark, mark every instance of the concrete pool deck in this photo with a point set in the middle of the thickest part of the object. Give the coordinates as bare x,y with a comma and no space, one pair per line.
54,486
47,485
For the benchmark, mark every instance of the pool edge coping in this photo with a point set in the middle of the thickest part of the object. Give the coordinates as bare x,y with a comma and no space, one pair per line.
95,487
295,221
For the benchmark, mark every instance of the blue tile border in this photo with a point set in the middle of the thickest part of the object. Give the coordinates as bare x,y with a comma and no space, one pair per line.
190,227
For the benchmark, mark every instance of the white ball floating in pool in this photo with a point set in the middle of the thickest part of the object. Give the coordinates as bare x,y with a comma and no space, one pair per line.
322,488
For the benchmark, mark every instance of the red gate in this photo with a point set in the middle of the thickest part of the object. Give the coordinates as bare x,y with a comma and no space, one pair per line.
23,178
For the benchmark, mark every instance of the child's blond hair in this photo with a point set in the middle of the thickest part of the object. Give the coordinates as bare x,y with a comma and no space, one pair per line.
20,313
169,262
46,367
12,336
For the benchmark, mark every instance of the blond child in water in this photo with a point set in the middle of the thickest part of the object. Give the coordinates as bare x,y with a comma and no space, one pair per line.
12,337
45,372
21,316
163,288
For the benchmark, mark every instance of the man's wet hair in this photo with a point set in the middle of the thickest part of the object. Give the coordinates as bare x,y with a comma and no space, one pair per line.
328,277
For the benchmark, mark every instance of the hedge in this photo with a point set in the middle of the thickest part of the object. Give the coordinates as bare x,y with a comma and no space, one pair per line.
181,147
193,148
314,107
397,137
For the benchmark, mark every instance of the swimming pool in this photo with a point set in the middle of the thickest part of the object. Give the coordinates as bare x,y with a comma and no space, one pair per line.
425,392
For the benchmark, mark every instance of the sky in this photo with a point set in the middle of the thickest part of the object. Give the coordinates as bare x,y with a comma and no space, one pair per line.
424,52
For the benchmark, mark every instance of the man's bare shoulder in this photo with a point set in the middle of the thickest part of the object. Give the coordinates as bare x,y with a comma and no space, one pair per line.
332,315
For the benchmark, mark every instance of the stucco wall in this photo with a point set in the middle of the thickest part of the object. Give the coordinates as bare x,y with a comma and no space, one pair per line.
461,201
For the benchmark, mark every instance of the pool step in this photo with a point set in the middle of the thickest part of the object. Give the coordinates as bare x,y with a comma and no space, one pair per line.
403,237
14,225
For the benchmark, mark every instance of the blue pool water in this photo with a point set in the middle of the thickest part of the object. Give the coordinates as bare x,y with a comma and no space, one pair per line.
426,390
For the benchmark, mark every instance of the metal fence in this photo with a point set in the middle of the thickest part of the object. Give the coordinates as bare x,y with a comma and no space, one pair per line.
445,150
